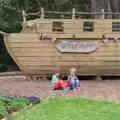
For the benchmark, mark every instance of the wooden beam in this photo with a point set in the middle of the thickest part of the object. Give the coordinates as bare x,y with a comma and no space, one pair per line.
73,13
103,14
24,17
42,13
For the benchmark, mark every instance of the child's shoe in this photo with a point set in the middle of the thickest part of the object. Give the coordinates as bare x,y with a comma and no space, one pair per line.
78,89
75,89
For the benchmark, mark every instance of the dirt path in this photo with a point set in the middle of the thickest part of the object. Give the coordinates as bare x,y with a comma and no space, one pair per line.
102,90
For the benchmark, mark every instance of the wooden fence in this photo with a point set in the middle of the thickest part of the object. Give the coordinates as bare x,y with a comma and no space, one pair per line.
73,14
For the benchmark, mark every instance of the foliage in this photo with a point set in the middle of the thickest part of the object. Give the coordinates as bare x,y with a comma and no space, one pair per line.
33,99
72,109
9,104
11,10
17,104
3,111
10,17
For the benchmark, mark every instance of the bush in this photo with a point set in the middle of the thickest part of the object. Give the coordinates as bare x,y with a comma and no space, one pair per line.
4,100
33,99
9,104
3,112
17,104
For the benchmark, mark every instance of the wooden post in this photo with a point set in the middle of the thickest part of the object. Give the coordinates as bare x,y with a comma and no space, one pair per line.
73,13
24,17
103,14
42,13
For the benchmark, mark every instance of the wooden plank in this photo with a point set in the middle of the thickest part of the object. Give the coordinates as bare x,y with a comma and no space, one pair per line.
34,49
88,35
45,45
49,63
16,35
72,26
67,67
73,31
100,30
44,26
41,30
50,45
37,59
28,40
37,40
53,54
32,45
103,25
72,63
48,49
83,70
93,54
48,21
42,72
110,35
80,72
69,59
87,58
33,54
34,35
49,35
31,37
61,72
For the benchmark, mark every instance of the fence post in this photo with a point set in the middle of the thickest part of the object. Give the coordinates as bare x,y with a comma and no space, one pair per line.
42,13
24,17
73,13
103,14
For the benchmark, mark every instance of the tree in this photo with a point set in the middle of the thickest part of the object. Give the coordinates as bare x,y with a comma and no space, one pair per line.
10,17
107,5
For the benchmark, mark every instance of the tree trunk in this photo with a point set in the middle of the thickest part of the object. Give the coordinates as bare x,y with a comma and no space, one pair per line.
97,6
26,2
115,6
107,7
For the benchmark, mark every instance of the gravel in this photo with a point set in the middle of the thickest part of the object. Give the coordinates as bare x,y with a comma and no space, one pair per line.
101,90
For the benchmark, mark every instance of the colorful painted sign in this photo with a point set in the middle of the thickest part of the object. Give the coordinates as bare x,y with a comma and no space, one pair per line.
81,47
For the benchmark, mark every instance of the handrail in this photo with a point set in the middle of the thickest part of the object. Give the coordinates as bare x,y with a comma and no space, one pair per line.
73,12
57,12
4,33
33,13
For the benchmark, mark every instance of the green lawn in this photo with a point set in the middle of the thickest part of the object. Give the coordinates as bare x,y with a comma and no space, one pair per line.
72,109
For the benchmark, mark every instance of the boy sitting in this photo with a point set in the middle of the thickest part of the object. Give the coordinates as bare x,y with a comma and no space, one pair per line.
73,80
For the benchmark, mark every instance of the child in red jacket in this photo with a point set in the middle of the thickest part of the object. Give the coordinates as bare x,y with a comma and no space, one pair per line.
57,84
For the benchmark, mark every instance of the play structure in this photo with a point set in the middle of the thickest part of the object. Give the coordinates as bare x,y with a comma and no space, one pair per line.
44,44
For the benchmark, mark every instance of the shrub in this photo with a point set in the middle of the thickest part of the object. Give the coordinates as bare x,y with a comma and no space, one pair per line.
3,111
4,100
33,99
17,104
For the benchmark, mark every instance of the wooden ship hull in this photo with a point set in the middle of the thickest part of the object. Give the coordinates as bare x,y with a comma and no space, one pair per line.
38,57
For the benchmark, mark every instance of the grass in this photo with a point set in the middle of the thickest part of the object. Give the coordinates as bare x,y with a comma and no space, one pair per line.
72,109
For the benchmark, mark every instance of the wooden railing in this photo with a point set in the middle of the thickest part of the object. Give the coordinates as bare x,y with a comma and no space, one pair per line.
73,14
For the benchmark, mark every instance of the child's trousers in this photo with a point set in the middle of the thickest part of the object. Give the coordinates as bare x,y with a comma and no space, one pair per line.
59,85
74,84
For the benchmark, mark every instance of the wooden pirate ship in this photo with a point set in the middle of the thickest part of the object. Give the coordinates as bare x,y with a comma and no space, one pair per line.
90,45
